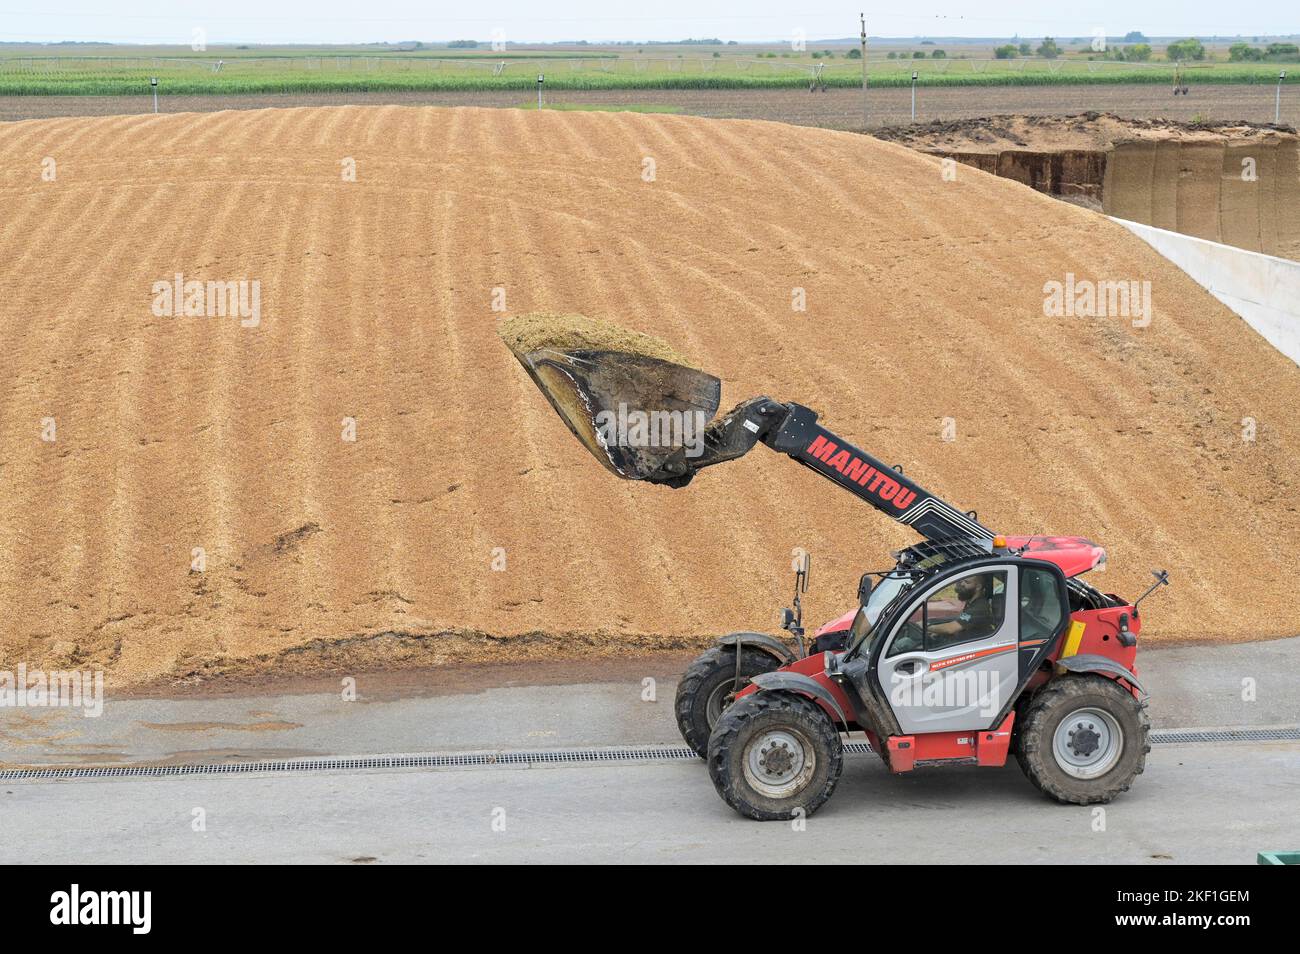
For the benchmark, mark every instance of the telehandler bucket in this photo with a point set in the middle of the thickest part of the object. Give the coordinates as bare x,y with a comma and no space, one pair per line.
629,398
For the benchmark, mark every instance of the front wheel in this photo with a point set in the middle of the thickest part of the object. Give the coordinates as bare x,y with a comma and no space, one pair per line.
708,686
1084,739
774,755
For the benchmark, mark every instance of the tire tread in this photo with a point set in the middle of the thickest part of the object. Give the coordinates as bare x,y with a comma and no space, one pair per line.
1034,748
693,725
736,719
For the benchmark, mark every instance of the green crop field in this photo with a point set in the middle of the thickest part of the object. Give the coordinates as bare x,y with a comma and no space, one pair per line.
109,70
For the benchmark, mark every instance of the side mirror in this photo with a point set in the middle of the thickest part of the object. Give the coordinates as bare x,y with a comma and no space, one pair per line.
787,617
865,586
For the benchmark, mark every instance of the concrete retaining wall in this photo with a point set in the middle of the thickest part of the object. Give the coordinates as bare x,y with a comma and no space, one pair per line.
1262,289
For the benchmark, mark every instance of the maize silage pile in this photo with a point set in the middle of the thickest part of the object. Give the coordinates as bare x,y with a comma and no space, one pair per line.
359,474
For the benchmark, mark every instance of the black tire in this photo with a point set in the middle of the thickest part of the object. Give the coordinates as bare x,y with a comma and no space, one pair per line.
763,718
1094,707
707,682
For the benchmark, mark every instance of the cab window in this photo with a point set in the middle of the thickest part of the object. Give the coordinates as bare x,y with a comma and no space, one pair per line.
1040,604
970,608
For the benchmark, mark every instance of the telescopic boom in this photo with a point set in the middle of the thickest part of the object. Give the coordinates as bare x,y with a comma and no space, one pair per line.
620,404
792,429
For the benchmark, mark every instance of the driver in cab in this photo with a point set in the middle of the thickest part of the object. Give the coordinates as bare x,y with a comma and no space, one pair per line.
975,620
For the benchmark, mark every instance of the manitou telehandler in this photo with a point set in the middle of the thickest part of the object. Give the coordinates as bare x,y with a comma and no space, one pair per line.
971,646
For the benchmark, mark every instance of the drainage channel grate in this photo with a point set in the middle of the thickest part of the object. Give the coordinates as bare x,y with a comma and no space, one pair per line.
1287,734
664,753
466,760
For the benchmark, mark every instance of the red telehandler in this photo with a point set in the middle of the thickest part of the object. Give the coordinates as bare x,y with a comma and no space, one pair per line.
971,647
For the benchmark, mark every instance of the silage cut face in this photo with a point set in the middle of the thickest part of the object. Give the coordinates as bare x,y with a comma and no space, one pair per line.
641,417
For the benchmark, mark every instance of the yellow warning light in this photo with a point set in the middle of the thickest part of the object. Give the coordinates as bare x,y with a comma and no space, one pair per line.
999,542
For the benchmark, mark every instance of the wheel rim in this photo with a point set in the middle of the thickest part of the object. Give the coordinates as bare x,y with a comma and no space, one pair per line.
779,762
1087,743
721,697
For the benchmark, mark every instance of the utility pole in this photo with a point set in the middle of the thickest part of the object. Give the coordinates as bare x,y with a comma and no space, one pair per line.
153,82
1277,104
865,112
913,95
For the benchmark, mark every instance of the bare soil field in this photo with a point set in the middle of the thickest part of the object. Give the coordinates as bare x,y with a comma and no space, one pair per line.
833,109
463,522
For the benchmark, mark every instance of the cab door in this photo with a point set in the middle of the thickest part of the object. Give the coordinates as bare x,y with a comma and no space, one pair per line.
950,663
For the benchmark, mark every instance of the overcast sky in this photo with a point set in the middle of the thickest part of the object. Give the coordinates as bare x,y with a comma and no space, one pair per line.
332,21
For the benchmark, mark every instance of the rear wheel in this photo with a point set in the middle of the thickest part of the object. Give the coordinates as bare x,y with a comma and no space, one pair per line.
708,687
1084,739
774,754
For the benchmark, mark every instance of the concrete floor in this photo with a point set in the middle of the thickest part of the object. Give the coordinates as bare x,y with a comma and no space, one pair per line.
1195,804
1191,686
1198,803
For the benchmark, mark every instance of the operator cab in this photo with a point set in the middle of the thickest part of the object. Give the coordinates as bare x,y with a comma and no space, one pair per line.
947,638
